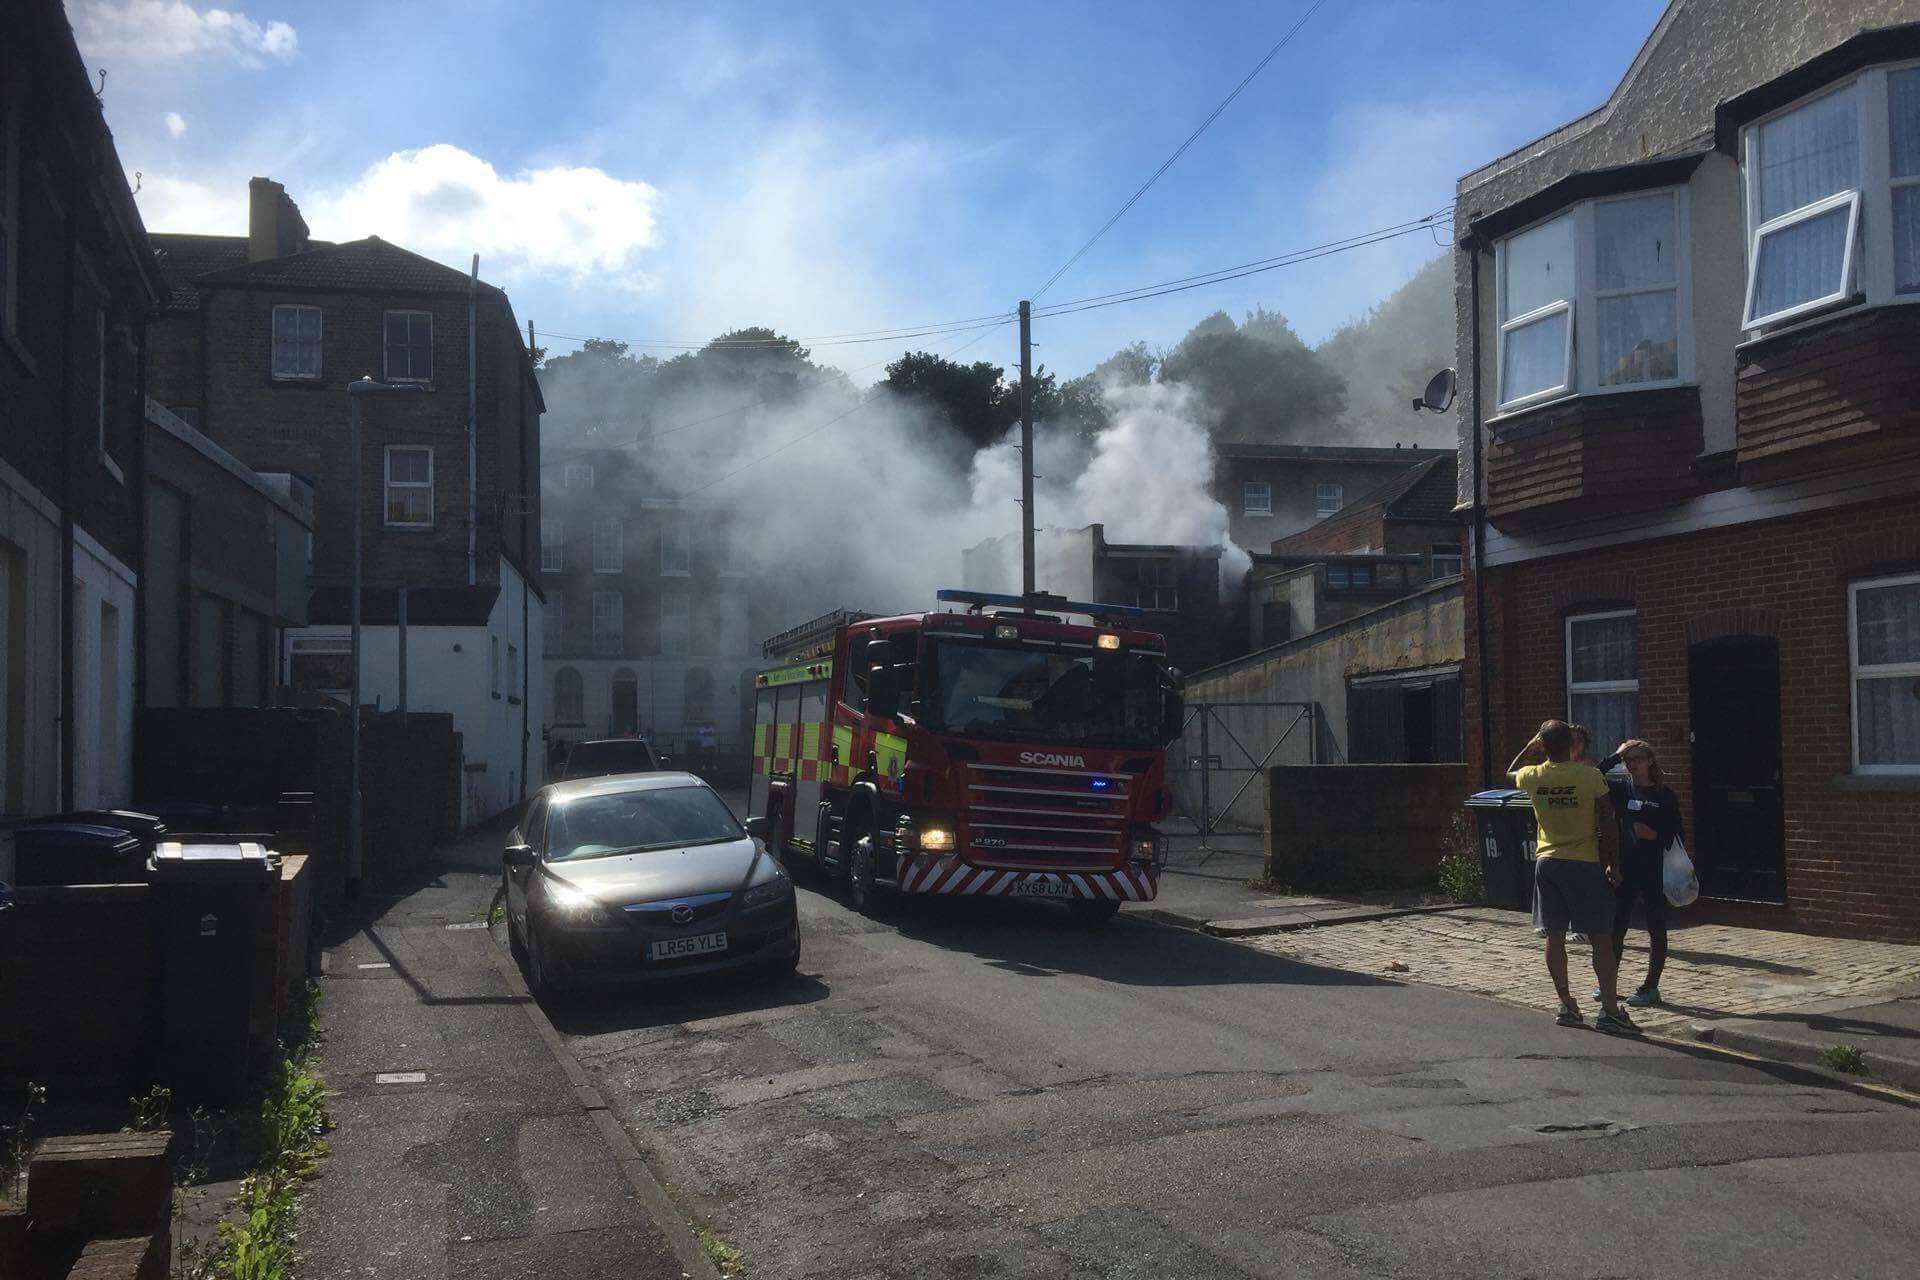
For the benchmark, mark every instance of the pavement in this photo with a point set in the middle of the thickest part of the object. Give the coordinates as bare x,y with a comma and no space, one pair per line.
976,1089
1209,884
464,1145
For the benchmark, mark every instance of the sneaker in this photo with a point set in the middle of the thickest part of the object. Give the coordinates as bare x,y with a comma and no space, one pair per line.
1577,937
1539,931
1644,998
1569,1016
1617,1023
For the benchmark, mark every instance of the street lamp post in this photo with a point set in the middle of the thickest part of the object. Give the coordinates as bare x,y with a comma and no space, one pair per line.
357,391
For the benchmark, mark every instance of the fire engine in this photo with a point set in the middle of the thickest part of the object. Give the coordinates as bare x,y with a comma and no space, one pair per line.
994,747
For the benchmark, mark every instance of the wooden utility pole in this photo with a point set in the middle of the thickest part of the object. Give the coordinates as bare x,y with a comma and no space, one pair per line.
1026,448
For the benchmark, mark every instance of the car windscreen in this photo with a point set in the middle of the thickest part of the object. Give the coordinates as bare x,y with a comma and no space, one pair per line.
1096,698
594,759
638,821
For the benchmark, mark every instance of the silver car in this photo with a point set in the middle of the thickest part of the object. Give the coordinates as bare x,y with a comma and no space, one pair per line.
639,877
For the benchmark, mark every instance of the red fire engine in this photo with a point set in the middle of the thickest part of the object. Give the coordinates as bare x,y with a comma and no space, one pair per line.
995,749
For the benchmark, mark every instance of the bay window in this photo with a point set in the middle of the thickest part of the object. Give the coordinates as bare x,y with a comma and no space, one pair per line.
1885,652
1833,198
1595,299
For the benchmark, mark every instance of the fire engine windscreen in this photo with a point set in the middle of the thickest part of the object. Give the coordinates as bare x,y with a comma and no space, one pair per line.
1092,699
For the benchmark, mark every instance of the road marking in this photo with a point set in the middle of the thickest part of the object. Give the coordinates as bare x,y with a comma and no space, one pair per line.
400,1077
381,965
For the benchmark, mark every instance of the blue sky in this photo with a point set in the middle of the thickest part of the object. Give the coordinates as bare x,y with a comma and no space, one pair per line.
666,171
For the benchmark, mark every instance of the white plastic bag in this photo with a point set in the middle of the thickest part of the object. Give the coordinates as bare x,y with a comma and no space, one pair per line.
1676,875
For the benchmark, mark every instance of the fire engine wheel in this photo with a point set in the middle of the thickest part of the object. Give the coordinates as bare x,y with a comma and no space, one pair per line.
861,892
1091,913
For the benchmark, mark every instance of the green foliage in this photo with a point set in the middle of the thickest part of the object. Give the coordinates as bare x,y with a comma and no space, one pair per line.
1461,875
974,398
1844,1057
1260,380
725,1258
152,1110
17,1139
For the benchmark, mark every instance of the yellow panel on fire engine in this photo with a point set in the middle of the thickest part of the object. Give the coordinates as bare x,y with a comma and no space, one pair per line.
889,754
842,744
809,737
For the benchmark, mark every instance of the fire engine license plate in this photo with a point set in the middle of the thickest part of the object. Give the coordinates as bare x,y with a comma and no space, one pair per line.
1041,889
698,945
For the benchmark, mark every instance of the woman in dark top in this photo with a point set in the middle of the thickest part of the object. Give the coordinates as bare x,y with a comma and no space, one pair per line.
1649,816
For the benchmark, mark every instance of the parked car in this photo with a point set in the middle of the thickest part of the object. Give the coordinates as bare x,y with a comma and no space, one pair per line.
642,877
603,757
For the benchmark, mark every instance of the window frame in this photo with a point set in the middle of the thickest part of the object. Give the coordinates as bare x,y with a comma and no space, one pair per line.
1452,552
679,605
1321,490
1581,360
582,469
614,603
493,664
1870,275
1266,498
1879,670
1849,263
553,547
553,624
1599,686
273,343
616,560
388,484
387,347
675,533
578,706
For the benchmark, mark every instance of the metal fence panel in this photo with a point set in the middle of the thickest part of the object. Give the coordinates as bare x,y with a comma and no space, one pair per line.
1215,765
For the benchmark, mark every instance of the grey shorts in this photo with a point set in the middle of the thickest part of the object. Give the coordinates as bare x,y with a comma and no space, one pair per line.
1573,895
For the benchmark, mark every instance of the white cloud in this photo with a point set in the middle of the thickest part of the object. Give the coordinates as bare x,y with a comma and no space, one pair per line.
176,124
565,224
167,30
578,223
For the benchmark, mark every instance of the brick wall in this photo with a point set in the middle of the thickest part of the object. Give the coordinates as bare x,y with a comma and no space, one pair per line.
1360,826
1852,864
301,426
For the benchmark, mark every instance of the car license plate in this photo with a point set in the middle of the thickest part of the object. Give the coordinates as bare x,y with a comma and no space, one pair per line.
1041,889
698,945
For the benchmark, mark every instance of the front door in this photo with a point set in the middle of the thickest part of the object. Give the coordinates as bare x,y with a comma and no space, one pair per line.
1735,709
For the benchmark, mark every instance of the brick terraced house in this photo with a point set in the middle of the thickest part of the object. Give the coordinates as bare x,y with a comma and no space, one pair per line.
261,337
1689,344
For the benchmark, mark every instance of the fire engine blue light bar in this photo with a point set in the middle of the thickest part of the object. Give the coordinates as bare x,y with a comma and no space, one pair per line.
1038,601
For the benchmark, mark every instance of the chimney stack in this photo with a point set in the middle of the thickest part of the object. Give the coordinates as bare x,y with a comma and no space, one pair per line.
274,225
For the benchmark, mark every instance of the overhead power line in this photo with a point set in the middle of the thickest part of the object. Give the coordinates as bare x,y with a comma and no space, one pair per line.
1181,150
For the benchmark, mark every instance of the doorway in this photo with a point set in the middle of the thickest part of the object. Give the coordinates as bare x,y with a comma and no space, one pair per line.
1734,706
625,720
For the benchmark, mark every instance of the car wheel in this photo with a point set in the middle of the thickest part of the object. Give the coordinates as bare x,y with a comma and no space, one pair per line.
862,895
1091,913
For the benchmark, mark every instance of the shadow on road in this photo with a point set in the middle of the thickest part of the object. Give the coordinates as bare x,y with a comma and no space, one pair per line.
592,1013
1041,941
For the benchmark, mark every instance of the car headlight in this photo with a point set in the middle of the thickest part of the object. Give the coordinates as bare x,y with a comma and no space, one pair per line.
779,889
576,906
936,840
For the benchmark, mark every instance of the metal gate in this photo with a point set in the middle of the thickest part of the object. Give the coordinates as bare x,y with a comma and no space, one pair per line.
1222,751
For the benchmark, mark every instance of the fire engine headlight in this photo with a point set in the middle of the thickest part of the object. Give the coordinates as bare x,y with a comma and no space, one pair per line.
936,840
1150,849
1109,641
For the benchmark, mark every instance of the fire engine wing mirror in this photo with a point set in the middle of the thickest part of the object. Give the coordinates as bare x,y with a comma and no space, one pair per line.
760,828
883,691
1173,704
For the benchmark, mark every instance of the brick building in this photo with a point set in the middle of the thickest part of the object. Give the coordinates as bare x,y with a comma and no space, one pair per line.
1690,368
76,284
1274,491
652,610
262,335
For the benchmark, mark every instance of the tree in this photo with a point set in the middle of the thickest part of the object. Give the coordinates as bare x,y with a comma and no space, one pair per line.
1259,380
754,363
974,399
596,395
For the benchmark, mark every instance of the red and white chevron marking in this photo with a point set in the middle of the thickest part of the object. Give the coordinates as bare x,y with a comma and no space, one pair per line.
951,876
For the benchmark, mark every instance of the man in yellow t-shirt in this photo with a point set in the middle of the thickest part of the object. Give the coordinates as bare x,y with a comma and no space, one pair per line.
1575,868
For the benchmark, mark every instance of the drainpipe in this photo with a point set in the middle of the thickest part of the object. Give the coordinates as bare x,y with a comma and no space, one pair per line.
69,428
1479,527
473,425
140,536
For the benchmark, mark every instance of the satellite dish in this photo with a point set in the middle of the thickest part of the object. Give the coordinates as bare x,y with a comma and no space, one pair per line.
1439,393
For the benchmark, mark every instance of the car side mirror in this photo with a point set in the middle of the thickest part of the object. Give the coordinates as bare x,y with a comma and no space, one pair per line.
518,856
760,828
883,691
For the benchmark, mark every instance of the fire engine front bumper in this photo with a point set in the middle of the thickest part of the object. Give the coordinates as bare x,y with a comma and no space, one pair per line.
949,875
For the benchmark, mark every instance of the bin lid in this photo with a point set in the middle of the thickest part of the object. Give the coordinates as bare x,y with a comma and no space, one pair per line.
76,838
140,824
212,861
1499,798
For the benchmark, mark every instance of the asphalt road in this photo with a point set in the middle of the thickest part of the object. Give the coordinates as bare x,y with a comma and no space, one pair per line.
982,1091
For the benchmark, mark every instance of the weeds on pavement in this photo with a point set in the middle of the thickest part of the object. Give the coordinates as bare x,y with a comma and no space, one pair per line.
152,1110
1460,874
1844,1057
725,1258
16,1140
